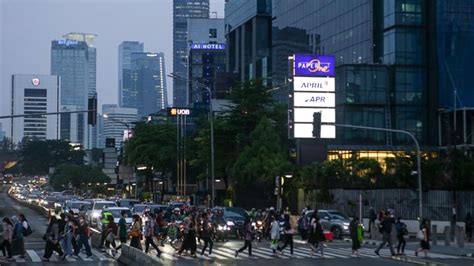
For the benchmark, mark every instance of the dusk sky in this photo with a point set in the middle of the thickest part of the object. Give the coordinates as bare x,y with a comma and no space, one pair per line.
27,28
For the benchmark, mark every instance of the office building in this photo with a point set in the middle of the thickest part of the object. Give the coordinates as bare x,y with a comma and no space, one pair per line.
248,32
126,49
206,58
117,123
74,60
2,133
182,11
148,90
35,94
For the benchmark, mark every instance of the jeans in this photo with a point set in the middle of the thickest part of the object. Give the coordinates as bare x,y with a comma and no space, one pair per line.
83,240
248,244
149,241
207,241
66,243
386,239
288,241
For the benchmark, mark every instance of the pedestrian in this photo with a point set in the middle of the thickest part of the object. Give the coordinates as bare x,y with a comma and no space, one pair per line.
18,243
104,222
82,238
66,240
110,232
303,226
248,236
189,240
274,235
468,223
122,225
372,218
206,234
318,233
6,244
26,225
353,231
135,232
287,235
424,236
402,231
74,220
52,239
386,230
149,231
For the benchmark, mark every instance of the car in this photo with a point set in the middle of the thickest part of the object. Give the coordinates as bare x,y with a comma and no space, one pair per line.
234,221
33,198
334,221
117,214
77,206
48,201
93,215
139,208
129,203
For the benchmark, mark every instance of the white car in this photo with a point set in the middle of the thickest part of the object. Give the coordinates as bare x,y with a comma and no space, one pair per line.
94,214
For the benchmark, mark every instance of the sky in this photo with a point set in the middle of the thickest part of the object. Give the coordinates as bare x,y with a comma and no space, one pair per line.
27,28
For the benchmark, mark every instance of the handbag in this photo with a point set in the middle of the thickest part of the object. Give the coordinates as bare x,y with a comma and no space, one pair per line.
27,231
420,235
274,244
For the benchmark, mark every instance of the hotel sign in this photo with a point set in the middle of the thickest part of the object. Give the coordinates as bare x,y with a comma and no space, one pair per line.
207,46
313,65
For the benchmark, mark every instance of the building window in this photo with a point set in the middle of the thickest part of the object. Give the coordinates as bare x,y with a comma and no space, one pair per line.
212,33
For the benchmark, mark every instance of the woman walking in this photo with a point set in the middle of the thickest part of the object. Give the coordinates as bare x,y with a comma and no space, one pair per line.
425,241
82,235
6,244
52,239
248,236
110,232
288,232
135,232
274,235
189,241
317,235
149,232
18,236
354,233
401,233
206,234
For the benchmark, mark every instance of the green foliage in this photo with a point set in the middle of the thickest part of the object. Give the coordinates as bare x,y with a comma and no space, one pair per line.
76,175
38,155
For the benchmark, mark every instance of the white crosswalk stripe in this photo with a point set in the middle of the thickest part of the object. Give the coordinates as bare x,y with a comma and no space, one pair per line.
37,255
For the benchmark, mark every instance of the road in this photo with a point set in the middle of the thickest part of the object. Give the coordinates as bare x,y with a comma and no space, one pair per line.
34,243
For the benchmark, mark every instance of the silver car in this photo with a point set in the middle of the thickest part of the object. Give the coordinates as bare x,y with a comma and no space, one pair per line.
332,220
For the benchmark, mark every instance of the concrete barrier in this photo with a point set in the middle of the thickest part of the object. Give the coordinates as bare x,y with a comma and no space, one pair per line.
133,256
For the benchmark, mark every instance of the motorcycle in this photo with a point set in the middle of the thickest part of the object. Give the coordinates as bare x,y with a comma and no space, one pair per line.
220,232
258,225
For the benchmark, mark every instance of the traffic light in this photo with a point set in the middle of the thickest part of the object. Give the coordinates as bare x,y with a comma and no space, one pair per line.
92,111
317,125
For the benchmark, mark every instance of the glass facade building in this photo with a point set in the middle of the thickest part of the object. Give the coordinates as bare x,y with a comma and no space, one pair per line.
383,52
74,60
148,83
125,50
182,11
248,33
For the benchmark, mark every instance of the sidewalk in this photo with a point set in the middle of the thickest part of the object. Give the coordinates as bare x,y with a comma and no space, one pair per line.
453,249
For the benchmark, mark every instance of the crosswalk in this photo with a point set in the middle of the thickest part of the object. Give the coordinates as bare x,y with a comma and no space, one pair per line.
223,252
36,256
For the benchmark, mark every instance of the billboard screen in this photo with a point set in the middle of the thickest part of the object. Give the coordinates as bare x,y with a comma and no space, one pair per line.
317,84
313,65
314,99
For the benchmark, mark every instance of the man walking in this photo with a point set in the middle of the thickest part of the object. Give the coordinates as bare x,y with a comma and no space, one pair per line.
386,230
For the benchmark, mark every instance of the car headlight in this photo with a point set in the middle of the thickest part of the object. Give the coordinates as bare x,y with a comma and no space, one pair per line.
345,227
259,223
230,223
95,214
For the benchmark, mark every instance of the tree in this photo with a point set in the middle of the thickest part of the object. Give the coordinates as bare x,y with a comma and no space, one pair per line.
153,146
76,175
37,156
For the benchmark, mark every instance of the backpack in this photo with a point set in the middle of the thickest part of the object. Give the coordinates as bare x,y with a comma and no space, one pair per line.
303,223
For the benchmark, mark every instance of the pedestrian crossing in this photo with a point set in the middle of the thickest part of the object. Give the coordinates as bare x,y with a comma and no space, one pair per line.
263,251
36,256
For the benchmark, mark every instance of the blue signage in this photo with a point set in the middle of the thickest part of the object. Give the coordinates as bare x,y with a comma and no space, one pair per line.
68,42
314,65
208,46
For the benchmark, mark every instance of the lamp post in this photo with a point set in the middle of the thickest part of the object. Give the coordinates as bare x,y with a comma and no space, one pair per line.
203,86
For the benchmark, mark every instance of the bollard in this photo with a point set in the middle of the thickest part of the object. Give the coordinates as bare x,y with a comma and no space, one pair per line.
447,237
434,235
460,236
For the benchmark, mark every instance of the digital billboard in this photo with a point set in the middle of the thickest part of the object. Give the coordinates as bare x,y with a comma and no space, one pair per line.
305,65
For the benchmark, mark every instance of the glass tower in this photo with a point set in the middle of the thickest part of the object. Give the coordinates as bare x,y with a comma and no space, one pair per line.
126,49
182,11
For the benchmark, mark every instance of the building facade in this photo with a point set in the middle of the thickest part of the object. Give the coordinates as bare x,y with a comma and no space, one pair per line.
248,32
148,89
206,58
182,11
125,51
74,60
35,94
116,123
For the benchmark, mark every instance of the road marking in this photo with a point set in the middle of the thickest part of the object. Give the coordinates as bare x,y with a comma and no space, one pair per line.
98,255
224,252
328,251
33,256
361,254
85,258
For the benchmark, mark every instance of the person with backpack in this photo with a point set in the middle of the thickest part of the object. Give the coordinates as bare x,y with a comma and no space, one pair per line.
27,231
248,237
149,232
287,235
386,230
303,226
402,231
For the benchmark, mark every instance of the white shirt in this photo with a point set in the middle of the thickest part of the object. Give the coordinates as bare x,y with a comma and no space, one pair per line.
275,230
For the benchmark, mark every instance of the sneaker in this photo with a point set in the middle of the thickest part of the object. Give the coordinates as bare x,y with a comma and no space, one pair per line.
353,255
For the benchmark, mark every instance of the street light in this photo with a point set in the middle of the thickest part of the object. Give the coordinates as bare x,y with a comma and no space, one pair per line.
203,86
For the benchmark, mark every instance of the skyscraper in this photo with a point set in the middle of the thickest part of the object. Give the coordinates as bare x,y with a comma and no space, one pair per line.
148,89
183,10
74,60
115,123
126,49
35,94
